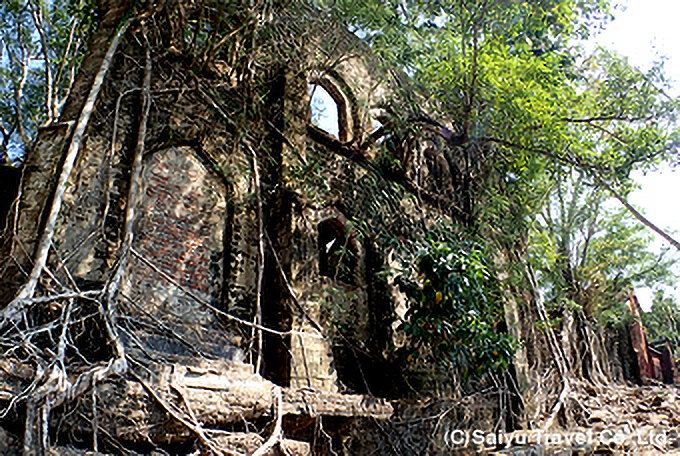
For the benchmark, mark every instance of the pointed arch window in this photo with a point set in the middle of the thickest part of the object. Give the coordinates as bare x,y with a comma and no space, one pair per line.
330,108
324,110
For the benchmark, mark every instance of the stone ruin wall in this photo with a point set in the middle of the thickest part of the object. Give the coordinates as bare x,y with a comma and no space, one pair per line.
196,231
196,235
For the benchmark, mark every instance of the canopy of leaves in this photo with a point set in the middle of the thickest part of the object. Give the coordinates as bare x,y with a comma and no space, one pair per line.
511,74
549,132
41,45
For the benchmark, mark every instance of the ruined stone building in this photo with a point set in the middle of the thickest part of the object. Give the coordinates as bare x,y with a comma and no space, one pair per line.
219,269
207,220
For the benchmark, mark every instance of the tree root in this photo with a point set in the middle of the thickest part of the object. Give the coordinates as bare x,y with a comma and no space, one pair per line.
277,434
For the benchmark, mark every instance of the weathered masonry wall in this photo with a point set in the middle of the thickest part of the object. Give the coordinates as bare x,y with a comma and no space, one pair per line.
196,236
181,231
179,244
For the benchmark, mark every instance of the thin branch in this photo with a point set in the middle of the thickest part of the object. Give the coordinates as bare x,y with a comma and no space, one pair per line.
566,389
608,133
304,312
260,258
160,324
293,296
36,13
66,319
58,297
645,221
181,391
194,427
18,95
95,417
57,104
603,119
109,157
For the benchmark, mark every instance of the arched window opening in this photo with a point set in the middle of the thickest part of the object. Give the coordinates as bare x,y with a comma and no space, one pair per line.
337,254
379,132
324,110
330,108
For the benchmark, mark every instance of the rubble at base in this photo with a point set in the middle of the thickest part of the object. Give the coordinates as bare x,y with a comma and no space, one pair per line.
173,404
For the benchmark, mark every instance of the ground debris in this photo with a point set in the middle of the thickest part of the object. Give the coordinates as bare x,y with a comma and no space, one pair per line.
173,403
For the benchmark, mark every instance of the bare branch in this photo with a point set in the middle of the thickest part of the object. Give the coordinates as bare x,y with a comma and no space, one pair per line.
645,221
18,95
610,118
59,297
260,257
57,104
176,414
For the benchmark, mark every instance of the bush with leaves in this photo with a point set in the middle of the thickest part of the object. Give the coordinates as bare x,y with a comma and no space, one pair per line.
455,307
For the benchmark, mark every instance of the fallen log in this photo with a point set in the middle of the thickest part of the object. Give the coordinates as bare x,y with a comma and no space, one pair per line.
175,403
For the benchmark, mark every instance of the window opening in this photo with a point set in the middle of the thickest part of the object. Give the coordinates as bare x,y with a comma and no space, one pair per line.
324,110
337,255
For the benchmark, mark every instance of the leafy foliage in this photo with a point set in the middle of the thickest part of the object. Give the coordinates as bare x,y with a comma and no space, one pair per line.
587,253
548,131
663,321
455,306
537,110
512,76
41,45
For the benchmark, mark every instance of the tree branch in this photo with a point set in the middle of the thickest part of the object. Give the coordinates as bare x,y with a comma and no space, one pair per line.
645,221
603,119
568,160
277,434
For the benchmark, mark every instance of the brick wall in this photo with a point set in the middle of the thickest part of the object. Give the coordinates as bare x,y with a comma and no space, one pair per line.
182,221
180,229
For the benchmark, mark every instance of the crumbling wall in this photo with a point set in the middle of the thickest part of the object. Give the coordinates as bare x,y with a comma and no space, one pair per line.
179,250
227,258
